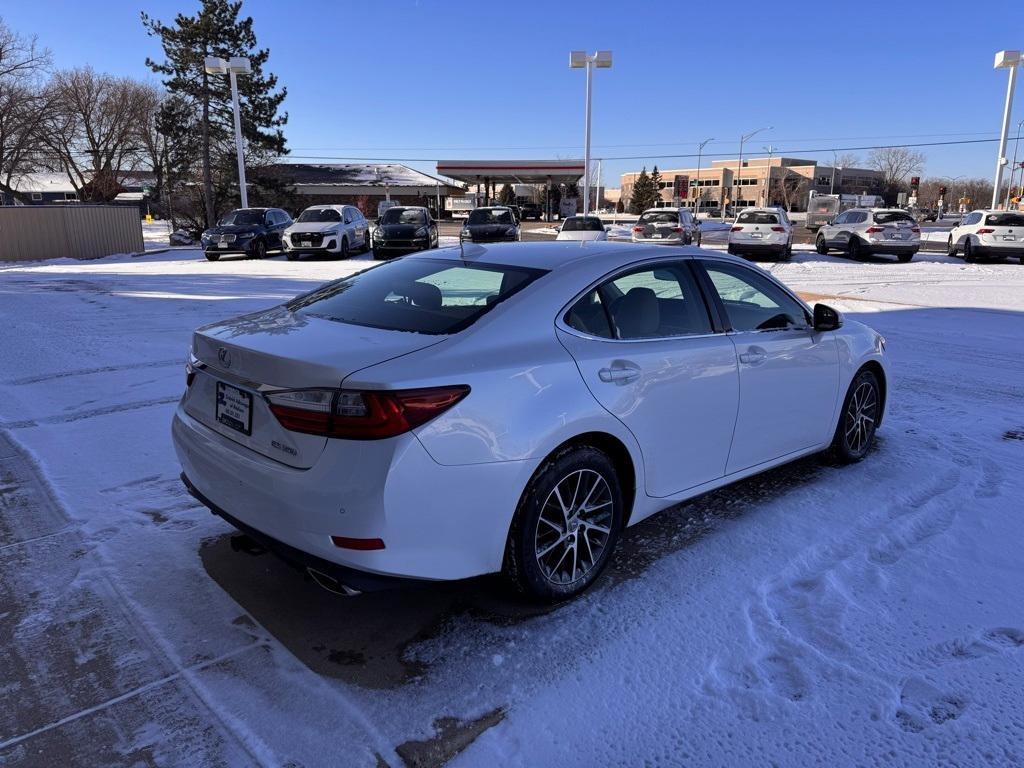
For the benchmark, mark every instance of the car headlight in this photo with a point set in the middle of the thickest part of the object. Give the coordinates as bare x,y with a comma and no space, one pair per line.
378,234
421,232
466,233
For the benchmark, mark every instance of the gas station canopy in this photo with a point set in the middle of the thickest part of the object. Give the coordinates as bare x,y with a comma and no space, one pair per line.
512,171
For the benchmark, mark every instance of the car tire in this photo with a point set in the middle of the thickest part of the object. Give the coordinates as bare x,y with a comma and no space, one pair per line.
951,249
904,258
343,253
820,246
291,256
854,249
787,252
212,256
259,250
968,250
855,433
545,534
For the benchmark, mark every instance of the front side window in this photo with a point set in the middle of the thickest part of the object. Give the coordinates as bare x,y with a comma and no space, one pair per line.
433,296
752,301
655,302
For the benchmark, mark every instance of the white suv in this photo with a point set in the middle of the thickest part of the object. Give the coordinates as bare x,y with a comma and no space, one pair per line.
759,231
666,225
863,231
328,229
988,233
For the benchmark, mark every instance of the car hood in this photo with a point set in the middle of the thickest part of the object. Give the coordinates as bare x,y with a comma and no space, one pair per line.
399,230
313,226
234,229
294,349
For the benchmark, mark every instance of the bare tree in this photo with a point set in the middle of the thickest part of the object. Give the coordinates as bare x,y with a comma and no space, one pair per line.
848,160
790,188
95,129
24,107
895,164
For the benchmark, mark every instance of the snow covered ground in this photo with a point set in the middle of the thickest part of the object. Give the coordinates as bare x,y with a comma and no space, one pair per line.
868,615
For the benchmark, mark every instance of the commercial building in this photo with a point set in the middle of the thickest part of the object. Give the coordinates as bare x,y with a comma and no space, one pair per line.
784,181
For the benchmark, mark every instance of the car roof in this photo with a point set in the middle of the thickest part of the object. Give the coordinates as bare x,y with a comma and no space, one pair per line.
552,254
765,208
661,210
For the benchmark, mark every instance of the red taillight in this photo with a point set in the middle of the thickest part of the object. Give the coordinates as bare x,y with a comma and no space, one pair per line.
984,231
778,229
916,230
677,230
638,230
736,229
874,230
365,415
364,545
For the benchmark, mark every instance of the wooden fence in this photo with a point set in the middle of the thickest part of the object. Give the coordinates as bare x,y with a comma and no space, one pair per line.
72,231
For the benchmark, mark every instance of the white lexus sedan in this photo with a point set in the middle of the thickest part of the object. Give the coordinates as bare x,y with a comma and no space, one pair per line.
579,228
511,408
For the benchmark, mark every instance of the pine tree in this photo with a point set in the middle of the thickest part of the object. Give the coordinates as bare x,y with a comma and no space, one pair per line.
656,186
644,193
507,195
217,30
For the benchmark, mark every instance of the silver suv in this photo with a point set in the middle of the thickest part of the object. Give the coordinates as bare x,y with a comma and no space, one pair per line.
863,231
666,225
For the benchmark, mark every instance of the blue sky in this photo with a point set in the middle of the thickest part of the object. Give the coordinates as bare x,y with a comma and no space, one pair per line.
431,79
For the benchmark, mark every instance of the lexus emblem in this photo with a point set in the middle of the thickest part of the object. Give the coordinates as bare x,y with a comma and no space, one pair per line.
224,356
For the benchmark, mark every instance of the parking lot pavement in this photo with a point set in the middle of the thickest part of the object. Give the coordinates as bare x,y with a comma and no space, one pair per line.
872,610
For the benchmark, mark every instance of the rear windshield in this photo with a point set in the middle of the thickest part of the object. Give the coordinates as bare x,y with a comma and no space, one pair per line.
431,296
757,217
582,224
659,218
891,217
319,214
1007,219
403,216
490,216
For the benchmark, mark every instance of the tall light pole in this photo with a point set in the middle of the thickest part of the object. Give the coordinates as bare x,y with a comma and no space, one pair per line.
770,149
700,194
739,165
236,65
952,188
1013,165
1005,60
581,60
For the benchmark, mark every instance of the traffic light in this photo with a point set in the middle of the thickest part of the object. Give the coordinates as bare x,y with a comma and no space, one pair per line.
915,181
942,191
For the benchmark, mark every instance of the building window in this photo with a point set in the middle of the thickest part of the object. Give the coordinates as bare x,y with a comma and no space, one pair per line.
37,195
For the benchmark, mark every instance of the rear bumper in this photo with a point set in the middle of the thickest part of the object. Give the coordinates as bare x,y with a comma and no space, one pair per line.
894,248
998,251
438,522
757,248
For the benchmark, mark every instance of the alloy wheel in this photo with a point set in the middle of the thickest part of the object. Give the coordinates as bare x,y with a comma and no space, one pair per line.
574,527
861,415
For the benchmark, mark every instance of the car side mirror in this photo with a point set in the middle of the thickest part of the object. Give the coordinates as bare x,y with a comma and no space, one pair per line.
826,318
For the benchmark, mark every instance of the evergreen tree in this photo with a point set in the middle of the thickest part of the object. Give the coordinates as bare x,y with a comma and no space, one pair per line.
218,30
644,193
507,195
656,185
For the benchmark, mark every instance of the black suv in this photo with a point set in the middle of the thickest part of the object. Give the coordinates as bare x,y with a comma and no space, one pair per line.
251,231
532,211
402,230
491,224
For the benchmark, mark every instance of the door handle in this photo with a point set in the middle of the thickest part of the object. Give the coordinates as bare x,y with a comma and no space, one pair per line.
619,373
753,356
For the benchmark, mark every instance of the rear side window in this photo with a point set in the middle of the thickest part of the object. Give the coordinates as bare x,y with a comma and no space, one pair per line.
891,217
757,217
588,315
1007,219
432,296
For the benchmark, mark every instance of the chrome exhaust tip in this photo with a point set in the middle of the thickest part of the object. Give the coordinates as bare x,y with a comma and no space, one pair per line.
331,584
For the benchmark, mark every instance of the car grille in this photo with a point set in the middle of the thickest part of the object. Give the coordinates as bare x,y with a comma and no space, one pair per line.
226,239
314,239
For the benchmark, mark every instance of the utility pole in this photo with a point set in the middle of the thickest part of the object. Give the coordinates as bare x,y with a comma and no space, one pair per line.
1005,60
1013,165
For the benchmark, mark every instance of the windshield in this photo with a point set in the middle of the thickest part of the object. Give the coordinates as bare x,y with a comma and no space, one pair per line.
403,216
757,217
433,296
320,215
893,217
583,224
241,217
659,218
1007,219
490,216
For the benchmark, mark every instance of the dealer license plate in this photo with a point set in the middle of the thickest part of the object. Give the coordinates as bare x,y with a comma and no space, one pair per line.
234,408
1009,237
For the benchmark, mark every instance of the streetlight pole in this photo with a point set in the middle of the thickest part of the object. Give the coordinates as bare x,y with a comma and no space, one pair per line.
739,165
1013,165
768,173
700,194
1005,60
236,65
581,60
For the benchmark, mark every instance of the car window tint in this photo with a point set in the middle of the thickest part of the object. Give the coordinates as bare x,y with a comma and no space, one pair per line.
891,217
669,217
655,302
752,301
757,217
582,224
1007,219
418,295
589,316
